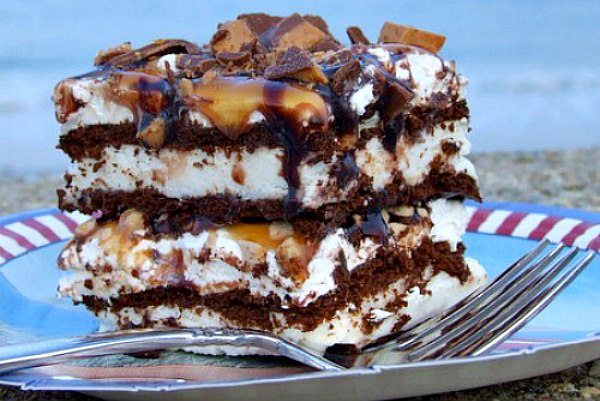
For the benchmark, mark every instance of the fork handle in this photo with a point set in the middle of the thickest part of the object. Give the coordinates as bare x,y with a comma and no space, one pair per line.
49,352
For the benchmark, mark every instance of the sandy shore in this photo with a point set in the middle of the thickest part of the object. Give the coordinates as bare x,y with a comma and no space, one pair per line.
569,179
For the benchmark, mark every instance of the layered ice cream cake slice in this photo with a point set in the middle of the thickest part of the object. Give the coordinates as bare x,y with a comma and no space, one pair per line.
271,179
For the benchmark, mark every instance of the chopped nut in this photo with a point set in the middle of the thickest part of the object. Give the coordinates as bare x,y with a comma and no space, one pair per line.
154,134
396,33
238,174
67,103
402,211
131,221
356,35
86,229
278,231
232,36
348,141
293,257
105,56
397,228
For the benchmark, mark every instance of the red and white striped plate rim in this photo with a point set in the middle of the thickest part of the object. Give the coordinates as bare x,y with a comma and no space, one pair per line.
21,236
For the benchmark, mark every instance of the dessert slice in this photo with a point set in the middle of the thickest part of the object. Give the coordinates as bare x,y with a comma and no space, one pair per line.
272,179
313,284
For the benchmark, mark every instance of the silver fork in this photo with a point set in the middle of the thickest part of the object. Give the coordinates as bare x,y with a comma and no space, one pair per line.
472,327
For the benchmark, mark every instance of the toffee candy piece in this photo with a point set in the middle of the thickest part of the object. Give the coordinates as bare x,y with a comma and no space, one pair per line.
356,35
395,33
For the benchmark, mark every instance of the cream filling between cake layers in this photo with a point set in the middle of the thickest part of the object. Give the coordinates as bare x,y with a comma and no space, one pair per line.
260,174
348,326
108,264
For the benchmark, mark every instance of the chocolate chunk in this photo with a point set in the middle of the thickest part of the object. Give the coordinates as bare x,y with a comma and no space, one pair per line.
326,45
232,36
356,35
395,99
237,59
259,23
317,22
294,31
395,33
296,63
195,65
105,56
156,49
345,77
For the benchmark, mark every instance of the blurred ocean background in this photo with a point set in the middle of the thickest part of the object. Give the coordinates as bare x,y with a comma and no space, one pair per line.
534,66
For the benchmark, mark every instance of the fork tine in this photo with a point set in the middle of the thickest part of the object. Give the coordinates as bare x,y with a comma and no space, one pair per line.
468,317
528,312
488,307
459,310
490,319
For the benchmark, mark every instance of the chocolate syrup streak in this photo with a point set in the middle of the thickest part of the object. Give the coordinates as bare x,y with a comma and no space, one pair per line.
282,125
375,226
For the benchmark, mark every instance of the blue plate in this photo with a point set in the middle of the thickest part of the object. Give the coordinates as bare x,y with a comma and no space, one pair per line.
499,234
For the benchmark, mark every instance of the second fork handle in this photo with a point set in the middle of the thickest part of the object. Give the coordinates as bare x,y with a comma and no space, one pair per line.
49,352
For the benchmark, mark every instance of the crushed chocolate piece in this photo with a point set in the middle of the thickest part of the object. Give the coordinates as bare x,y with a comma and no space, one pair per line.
295,31
296,63
317,22
357,36
346,76
237,59
156,49
259,23
327,45
232,36
195,65
396,33
105,56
